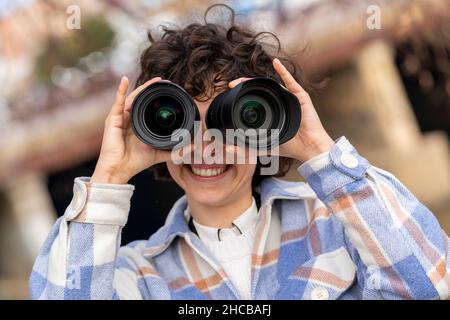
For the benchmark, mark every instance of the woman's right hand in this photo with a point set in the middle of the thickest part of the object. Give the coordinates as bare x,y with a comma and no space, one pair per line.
122,154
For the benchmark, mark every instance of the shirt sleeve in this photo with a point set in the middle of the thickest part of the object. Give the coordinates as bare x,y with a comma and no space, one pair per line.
396,242
78,258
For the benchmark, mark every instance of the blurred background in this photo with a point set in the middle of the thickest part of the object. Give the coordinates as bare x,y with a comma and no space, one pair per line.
383,66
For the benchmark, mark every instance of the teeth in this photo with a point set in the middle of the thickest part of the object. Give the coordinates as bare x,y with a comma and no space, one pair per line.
207,172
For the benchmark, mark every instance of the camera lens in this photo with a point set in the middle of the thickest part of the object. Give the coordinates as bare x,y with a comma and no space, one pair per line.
261,105
164,115
160,112
253,113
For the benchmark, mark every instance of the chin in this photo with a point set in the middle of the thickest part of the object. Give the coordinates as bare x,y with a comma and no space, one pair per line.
208,197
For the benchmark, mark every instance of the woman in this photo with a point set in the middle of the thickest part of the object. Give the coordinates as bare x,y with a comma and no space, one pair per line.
352,231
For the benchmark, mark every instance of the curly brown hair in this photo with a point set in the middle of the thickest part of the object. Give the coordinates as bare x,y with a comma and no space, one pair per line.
204,57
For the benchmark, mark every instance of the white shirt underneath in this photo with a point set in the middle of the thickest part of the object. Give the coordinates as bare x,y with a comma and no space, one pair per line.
234,250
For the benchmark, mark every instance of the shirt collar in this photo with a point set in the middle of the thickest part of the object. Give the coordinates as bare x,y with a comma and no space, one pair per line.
177,225
246,220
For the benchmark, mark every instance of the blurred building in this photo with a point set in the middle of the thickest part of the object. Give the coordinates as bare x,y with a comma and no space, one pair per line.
386,89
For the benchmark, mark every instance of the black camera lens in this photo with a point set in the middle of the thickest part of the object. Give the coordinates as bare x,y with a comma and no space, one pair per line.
259,104
163,115
160,111
253,112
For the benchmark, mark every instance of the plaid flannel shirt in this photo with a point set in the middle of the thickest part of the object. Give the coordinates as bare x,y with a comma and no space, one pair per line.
353,231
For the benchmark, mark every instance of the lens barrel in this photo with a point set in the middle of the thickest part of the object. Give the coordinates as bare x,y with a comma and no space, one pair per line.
258,104
159,111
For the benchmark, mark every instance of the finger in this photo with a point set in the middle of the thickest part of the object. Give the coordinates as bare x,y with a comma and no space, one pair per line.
118,105
289,81
235,82
126,119
135,92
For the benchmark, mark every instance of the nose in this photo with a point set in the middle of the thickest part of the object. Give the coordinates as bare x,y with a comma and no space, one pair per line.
203,110
205,139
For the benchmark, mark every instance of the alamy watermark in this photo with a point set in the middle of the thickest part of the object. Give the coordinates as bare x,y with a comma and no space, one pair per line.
73,21
373,21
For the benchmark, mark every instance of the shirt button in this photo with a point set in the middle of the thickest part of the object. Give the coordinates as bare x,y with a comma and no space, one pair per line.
349,160
319,294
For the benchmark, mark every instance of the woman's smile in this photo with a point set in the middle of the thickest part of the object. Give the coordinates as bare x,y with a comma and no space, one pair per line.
207,173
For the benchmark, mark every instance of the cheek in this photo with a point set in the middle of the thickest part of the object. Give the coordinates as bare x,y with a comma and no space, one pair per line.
245,172
175,173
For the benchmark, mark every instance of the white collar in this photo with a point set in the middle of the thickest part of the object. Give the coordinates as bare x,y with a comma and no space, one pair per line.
246,220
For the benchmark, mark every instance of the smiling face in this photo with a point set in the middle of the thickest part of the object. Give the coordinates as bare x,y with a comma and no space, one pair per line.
203,58
212,184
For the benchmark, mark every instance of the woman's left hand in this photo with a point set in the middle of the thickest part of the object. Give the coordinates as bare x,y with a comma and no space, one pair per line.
311,138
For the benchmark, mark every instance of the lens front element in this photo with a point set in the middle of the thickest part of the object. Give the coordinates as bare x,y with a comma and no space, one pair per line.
163,115
253,114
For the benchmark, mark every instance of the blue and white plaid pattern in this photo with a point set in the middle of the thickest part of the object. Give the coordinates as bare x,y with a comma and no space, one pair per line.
353,231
